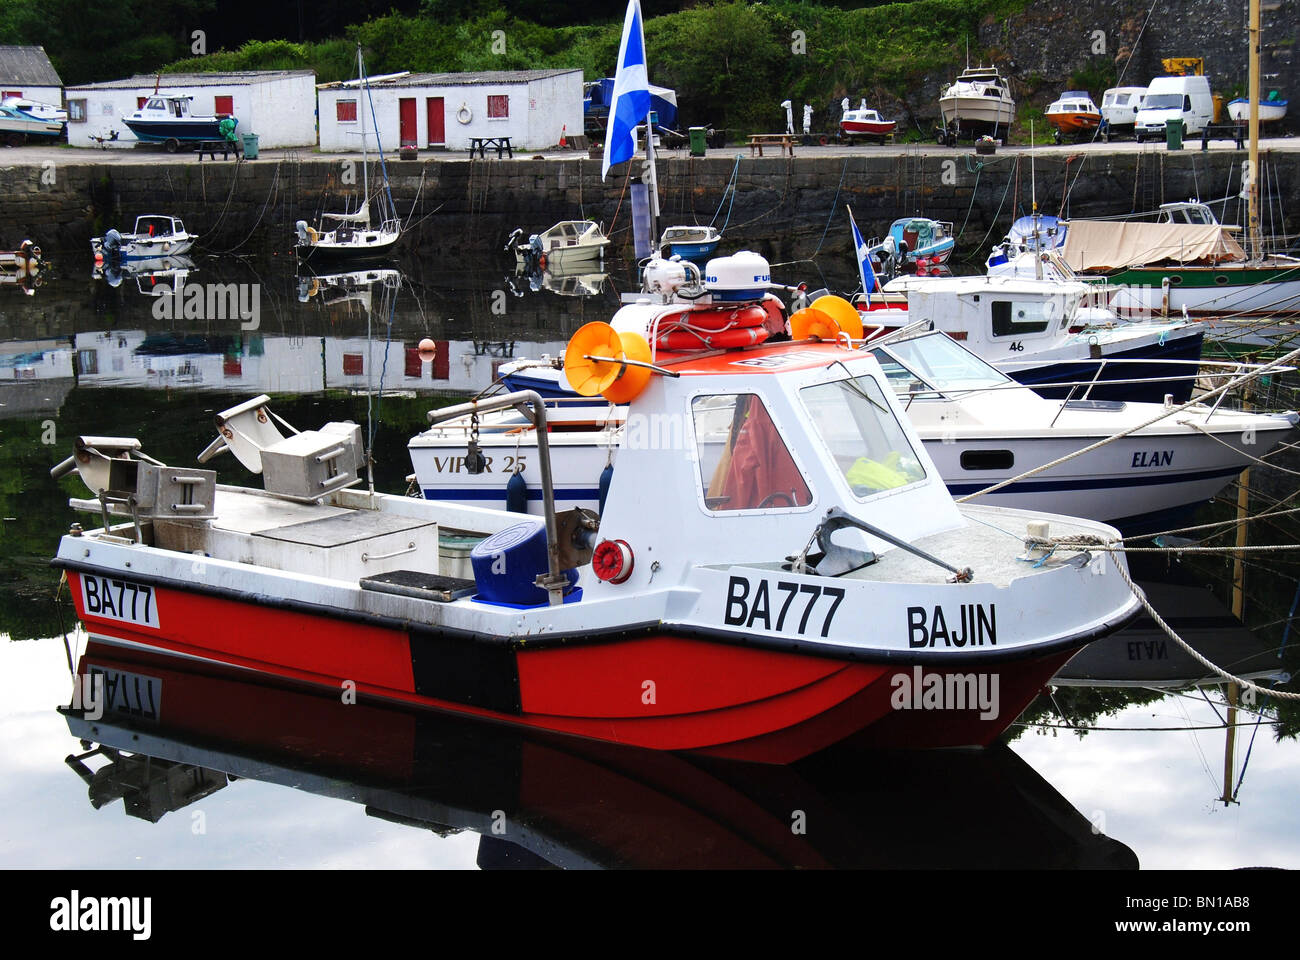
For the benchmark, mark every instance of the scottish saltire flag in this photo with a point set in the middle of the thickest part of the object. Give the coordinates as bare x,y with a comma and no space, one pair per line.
630,103
864,259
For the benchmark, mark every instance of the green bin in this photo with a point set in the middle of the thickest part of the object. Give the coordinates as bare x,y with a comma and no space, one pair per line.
250,146
1174,134
698,141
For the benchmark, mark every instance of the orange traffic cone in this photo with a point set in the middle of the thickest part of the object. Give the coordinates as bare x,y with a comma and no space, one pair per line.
564,140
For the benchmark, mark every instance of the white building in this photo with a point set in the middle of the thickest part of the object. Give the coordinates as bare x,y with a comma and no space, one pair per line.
277,105
27,72
534,108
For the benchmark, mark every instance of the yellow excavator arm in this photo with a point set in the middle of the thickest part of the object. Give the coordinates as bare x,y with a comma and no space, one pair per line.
1184,66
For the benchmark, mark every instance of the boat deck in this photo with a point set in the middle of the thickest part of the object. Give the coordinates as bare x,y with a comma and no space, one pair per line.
989,544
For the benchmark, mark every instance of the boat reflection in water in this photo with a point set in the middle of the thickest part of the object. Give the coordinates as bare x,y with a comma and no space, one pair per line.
173,732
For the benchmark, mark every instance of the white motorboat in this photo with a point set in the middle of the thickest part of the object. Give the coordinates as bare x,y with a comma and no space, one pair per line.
168,119
978,102
353,235
1033,329
16,126
37,109
155,236
979,426
567,243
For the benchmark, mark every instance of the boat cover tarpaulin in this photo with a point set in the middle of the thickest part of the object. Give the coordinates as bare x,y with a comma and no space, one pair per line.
1113,245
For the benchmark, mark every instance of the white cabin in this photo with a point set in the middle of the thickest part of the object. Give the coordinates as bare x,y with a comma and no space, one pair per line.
534,108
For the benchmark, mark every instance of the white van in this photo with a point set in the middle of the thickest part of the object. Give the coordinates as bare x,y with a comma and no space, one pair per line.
1171,98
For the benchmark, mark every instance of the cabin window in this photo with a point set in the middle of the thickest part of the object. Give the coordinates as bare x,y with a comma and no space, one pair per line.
224,105
859,430
143,103
744,462
345,111
498,107
1015,318
987,460
76,111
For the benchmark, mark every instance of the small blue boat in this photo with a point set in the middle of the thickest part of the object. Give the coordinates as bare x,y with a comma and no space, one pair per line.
930,240
696,244
1270,110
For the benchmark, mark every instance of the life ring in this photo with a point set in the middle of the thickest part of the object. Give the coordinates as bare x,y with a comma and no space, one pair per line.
715,319
464,114
722,339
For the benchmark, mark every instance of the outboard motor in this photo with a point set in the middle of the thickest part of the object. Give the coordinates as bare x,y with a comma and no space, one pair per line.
301,228
112,241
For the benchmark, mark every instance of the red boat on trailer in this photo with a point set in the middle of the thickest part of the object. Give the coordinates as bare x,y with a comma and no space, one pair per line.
778,566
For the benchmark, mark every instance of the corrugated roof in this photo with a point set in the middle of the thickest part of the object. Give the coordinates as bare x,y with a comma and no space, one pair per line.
458,79
28,66
172,80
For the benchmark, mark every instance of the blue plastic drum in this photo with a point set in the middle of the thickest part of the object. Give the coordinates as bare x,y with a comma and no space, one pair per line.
506,564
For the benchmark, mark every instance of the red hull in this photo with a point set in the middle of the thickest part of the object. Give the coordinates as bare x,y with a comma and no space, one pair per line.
863,128
656,691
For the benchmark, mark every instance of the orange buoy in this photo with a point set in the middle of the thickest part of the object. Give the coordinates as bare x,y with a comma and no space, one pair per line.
844,314
428,350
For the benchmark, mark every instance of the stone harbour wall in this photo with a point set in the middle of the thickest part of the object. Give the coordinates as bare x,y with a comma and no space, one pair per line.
787,208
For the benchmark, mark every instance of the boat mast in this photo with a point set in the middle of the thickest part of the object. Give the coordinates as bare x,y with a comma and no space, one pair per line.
363,89
1252,192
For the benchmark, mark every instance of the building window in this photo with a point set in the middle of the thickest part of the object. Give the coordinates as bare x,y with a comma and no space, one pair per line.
140,102
354,364
346,111
76,111
10,93
498,108
224,105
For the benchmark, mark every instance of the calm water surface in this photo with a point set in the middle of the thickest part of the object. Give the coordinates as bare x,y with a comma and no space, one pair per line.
204,771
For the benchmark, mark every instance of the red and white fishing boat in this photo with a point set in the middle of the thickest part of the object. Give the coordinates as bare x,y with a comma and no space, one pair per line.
805,581
866,123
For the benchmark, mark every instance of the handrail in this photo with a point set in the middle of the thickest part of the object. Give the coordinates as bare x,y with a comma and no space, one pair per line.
553,581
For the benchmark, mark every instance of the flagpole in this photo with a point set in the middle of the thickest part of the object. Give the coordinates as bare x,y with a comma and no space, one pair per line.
654,179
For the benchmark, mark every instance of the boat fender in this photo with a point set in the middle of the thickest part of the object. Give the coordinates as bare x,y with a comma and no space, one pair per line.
507,563
464,114
606,478
517,493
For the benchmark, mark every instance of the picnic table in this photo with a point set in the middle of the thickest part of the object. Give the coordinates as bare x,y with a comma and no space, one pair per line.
480,145
210,147
785,141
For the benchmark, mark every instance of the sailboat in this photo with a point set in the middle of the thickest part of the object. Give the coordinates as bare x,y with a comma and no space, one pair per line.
354,234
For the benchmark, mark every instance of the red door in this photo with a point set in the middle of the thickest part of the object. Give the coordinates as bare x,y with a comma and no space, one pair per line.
406,113
437,117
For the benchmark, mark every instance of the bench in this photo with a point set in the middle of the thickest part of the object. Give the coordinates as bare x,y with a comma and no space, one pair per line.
480,145
783,140
1224,131
226,147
